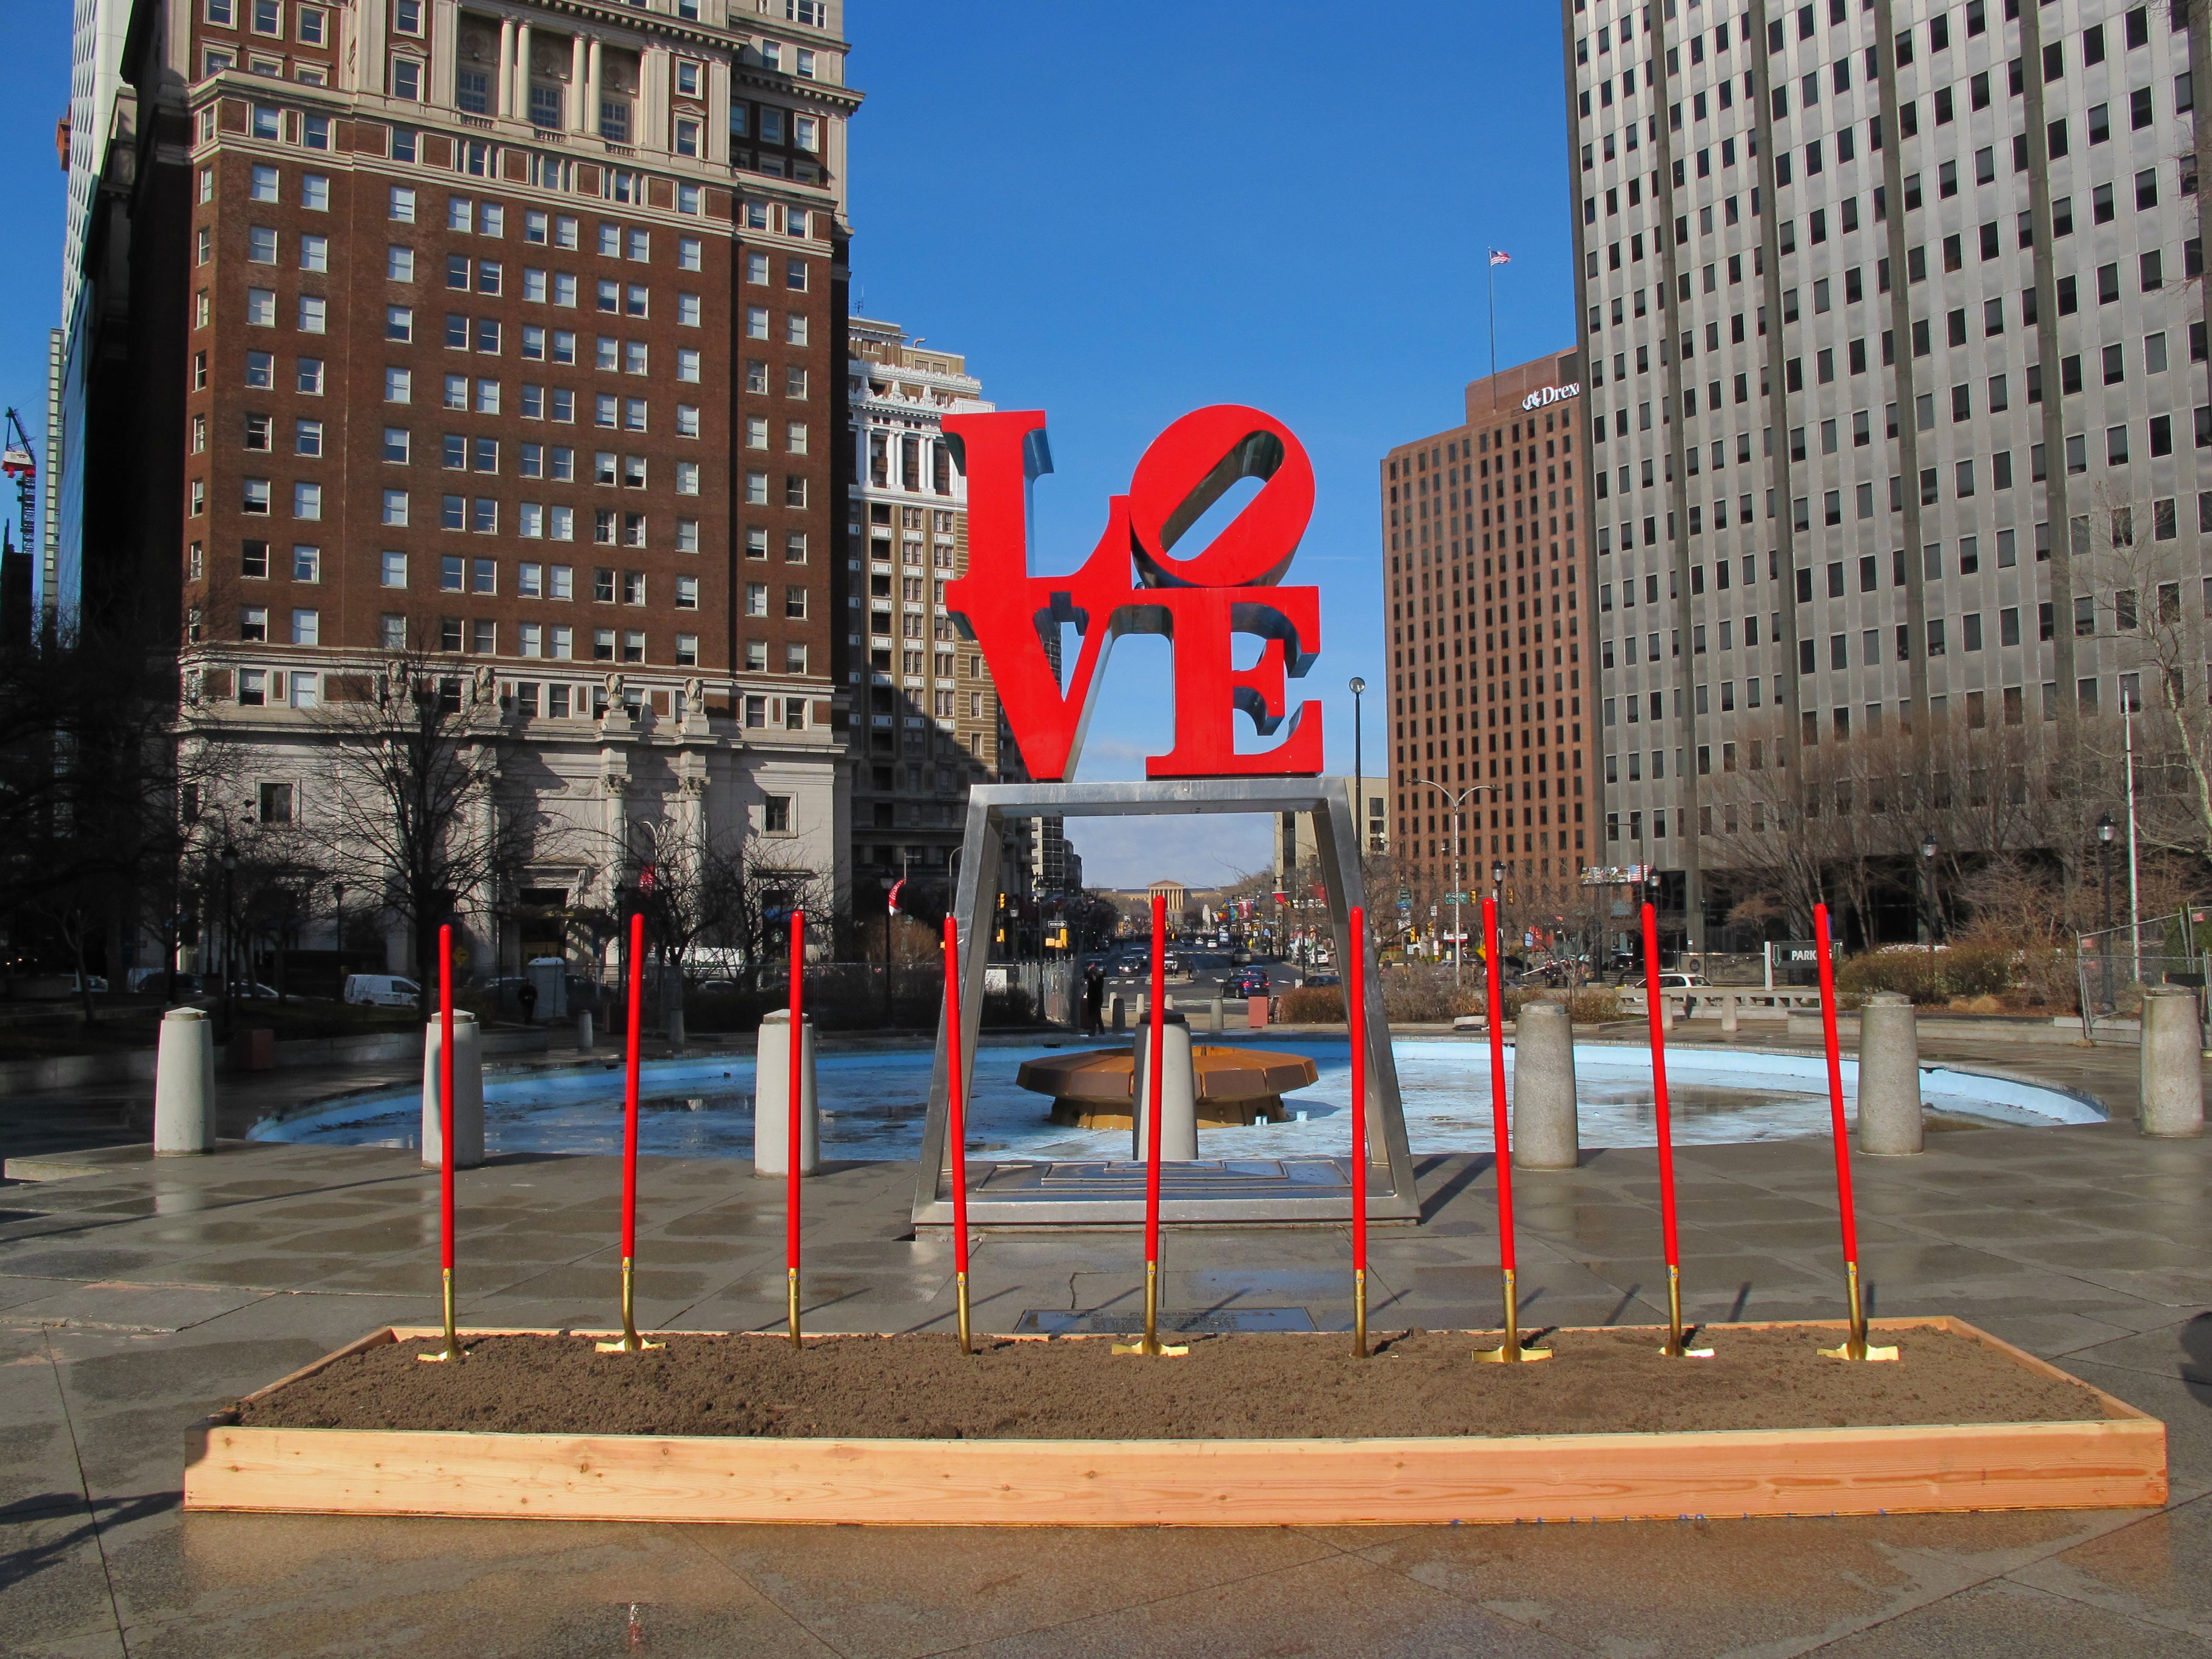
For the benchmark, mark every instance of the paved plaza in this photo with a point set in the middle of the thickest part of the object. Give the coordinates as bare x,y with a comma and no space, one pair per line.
136,1296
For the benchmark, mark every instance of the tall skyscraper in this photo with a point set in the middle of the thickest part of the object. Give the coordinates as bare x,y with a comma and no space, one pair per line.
1490,738
512,339
1892,326
930,724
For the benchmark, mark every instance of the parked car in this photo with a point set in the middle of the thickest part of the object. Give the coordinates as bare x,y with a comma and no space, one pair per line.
1322,979
1673,981
380,991
154,982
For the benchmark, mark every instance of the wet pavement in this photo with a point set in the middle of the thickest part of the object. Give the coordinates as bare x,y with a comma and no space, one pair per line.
138,1297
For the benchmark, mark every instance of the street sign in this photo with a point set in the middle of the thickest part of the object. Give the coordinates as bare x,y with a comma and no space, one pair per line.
1454,938
1405,896
1456,898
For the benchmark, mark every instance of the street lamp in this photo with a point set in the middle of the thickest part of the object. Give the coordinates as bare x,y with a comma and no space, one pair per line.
888,883
1459,846
228,857
1928,889
1358,783
2105,827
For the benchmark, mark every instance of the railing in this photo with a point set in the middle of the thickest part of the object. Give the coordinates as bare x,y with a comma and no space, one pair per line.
1733,1003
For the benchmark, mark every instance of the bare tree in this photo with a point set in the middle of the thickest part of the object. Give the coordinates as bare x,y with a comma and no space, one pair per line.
1776,826
417,812
2148,595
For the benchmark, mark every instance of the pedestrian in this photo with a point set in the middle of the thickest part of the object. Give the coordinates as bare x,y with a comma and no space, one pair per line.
526,994
1094,998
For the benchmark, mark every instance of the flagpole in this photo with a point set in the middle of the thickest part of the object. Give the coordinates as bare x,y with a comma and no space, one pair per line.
1490,266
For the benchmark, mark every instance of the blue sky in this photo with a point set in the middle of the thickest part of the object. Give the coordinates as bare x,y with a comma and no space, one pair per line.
1121,213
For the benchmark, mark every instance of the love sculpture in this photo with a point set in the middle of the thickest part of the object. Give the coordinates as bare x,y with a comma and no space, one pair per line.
1133,583
1140,578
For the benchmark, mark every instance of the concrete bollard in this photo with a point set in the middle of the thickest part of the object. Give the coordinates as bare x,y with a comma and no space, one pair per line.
468,1094
1889,1076
1120,1010
1666,1012
772,1098
1178,1088
583,1031
184,1085
1215,1023
2173,1062
1547,1129
676,1029
1729,1026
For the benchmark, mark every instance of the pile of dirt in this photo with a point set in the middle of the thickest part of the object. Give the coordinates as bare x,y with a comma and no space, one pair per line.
1239,1387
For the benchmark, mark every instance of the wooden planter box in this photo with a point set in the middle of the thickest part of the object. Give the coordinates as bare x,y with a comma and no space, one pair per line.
2115,1462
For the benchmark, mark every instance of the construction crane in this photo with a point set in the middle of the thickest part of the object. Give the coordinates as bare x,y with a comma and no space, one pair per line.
17,463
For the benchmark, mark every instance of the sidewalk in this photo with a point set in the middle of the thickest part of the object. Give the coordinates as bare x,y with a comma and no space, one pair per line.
134,1300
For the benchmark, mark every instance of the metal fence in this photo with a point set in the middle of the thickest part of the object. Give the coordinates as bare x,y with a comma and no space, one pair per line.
861,996
2114,966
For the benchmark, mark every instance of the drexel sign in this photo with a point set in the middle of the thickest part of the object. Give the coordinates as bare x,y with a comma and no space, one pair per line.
1550,394
1135,583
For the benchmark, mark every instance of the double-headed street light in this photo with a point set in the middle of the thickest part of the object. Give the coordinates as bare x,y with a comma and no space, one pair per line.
1458,800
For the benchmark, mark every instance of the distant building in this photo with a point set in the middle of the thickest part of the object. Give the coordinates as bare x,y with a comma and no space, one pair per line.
1493,745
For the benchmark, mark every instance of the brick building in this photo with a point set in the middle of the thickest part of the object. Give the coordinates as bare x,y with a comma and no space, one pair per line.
510,335
1489,601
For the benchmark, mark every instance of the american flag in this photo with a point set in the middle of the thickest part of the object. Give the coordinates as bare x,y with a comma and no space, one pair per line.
1497,257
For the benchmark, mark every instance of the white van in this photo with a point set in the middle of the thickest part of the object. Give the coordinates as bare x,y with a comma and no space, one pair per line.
381,991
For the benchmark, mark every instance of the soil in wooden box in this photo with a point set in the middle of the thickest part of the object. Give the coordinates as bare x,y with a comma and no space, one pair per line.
1240,1387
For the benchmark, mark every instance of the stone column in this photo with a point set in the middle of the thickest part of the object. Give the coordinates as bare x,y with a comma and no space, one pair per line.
1547,1129
1889,1076
502,99
578,60
592,69
468,1094
184,1085
521,111
772,1098
2173,1062
1178,1092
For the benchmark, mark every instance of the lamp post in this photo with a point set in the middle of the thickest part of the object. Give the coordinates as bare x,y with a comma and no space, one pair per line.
1928,891
1358,686
2105,828
229,858
1459,847
888,883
